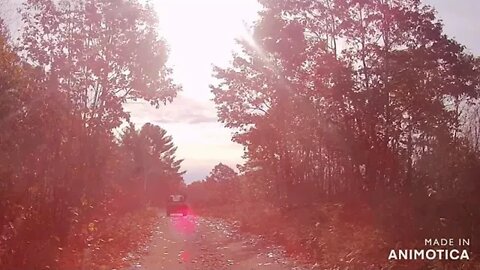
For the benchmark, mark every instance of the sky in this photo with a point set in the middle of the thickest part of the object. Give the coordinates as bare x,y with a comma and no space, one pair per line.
201,33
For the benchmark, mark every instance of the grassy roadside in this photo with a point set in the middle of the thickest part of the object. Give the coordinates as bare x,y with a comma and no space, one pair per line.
112,243
327,236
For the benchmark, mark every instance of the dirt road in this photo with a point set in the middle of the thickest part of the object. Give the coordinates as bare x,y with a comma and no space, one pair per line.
197,243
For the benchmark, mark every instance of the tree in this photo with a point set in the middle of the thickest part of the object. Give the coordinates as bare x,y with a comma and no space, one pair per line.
353,100
100,53
221,173
344,118
61,95
34,157
220,187
156,171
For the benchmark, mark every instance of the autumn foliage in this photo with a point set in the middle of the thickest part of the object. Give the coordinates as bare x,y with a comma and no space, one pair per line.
74,183
365,104
360,121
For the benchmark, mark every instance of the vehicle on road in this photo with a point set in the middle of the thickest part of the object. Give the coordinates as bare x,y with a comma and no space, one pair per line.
176,204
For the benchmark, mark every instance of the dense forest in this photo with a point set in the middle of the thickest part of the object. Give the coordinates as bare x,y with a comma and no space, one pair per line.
360,122
366,104
70,172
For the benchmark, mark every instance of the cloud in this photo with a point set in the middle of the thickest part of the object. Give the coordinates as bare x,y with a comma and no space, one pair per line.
183,109
202,141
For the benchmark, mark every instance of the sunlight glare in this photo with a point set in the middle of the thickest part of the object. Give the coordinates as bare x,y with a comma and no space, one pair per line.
202,33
